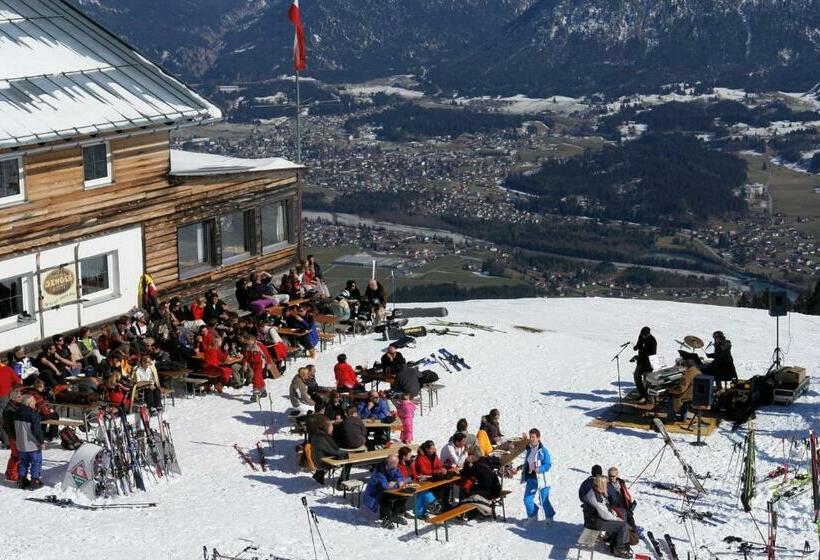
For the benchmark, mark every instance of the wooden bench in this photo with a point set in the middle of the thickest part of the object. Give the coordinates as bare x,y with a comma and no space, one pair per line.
197,384
166,392
86,413
70,422
442,518
355,487
587,541
499,501
325,339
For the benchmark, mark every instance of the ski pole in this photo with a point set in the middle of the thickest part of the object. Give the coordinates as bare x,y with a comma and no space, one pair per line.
310,526
318,532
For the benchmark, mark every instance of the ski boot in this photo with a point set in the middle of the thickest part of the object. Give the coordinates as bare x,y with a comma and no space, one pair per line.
35,484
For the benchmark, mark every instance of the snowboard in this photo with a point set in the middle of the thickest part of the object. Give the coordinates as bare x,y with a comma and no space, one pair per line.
420,312
81,474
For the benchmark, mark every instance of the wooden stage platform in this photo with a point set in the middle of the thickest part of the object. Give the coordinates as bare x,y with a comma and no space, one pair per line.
632,415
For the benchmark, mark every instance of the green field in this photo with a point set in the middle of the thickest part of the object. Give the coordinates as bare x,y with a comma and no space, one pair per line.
446,269
792,192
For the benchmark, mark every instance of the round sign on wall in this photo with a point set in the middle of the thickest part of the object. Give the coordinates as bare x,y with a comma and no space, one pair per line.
58,281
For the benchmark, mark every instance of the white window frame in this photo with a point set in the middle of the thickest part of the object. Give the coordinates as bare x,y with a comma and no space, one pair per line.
28,303
279,245
14,199
113,291
210,241
102,181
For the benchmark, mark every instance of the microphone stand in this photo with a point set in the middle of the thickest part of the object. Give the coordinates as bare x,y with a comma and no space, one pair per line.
617,359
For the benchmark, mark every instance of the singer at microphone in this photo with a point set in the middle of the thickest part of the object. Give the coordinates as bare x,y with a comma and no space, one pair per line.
645,347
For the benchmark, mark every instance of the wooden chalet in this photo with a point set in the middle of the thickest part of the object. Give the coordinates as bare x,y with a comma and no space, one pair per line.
92,196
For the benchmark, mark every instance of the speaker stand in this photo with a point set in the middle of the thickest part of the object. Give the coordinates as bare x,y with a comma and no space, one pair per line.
699,442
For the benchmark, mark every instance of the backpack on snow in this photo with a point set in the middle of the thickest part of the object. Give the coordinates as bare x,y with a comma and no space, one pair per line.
69,439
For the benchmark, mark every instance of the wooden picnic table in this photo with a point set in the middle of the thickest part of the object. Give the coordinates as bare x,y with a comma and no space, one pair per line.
326,320
365,458
416,488
510,450
287,331
80,411
376,424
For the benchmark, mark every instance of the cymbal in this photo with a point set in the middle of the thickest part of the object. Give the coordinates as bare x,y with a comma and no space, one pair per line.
693,342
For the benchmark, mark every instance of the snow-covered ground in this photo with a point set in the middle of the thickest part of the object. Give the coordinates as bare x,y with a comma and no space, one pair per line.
555,380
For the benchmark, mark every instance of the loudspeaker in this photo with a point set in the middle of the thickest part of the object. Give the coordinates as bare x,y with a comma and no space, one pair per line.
778,303
703,391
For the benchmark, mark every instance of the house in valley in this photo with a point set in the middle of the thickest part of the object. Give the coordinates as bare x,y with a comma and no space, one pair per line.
92,196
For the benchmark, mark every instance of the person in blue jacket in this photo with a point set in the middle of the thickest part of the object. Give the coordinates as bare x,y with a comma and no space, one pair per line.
389,507
537,463
376,408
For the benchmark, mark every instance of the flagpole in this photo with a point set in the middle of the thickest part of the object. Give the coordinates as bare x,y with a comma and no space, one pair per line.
298,122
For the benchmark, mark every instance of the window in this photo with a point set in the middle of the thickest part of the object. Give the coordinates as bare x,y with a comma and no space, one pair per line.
237,231
275,225
195,248
15,298
98,275
11,180
96,165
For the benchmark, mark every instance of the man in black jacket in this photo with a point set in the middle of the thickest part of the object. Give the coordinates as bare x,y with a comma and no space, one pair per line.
646,346
392,360
351,433
324,445
406,381
722,367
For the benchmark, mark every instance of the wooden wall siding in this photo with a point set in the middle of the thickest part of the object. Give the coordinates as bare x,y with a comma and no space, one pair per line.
212,199
58,209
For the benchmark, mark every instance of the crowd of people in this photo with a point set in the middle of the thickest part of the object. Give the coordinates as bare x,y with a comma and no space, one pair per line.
124,360
333,419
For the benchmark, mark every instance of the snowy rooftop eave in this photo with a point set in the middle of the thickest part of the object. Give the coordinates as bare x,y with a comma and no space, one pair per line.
63,76
194,164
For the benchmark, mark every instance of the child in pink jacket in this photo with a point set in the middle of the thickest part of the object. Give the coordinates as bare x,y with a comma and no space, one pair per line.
405,411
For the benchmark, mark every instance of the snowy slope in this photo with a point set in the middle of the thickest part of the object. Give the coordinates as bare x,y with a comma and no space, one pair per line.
553,380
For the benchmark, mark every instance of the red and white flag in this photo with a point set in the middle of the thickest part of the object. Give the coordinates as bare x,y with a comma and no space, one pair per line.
299,54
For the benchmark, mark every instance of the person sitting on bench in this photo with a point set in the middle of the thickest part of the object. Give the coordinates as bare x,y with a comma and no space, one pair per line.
346,379
386,476
620,500
598,516
324,445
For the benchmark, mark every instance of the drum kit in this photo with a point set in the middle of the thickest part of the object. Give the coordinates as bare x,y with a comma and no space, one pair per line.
659,380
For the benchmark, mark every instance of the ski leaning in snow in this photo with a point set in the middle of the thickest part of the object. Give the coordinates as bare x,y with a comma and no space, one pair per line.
133,450
454,358
262,462
656,546
748,477
150,441
244,456
69,503
815,480
673,553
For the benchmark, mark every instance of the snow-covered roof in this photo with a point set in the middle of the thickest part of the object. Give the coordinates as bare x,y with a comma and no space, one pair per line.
62,75
194,164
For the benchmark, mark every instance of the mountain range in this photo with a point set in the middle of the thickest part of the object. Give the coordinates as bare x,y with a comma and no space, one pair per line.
536,47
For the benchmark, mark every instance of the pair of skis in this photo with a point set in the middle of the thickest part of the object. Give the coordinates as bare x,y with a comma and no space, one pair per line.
69,503
657,548
247,458
456,361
